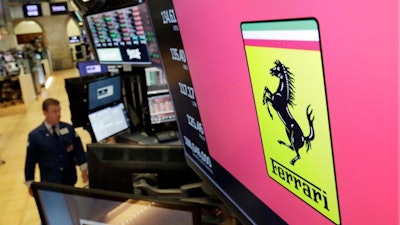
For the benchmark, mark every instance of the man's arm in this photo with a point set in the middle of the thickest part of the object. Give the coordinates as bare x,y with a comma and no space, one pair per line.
30,162
81,157
79,151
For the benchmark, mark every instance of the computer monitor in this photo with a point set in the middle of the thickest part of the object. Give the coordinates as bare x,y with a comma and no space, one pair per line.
8,57
104,91
114,166
119,36
159,114
109,121
77,91
65,205
161,109
91,67
156,81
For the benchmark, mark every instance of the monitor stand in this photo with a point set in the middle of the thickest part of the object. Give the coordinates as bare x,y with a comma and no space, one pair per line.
213,211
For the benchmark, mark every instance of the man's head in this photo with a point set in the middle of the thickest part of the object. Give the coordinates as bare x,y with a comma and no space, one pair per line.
52,111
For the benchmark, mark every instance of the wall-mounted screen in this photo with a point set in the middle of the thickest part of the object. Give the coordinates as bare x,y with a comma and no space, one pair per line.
32,10
104,91
57,8
74,39
109,121
119,36
64,205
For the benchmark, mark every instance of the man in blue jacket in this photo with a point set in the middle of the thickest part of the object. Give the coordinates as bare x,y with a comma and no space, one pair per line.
56,148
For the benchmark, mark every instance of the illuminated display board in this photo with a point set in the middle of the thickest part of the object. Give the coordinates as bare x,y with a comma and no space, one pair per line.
285,66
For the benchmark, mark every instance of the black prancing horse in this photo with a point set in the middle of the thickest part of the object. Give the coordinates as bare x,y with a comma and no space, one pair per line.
280,100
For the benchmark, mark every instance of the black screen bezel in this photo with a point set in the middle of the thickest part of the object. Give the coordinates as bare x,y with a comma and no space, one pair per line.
109,195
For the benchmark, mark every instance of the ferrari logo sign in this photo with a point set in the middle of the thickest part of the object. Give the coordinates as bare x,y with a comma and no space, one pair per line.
286,72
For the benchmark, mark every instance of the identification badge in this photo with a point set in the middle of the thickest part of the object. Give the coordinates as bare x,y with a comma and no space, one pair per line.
64,131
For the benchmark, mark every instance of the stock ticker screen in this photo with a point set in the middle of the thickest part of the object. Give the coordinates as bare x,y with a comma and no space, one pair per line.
123,36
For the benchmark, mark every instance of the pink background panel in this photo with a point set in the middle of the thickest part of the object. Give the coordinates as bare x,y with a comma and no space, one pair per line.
360,55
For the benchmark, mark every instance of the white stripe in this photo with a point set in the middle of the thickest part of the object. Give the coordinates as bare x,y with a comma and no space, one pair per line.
293,35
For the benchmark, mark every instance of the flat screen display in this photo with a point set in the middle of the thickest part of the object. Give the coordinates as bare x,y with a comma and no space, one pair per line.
57,8
253,136
32,10
119,36
161,109
8,57
74,39
91,67
103,91
76,88
231,68
156,81
65,205
109,121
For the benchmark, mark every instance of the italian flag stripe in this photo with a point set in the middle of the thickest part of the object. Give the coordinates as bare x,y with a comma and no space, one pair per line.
294,35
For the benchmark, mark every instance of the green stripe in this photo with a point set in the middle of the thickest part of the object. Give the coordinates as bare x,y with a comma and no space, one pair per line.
308,24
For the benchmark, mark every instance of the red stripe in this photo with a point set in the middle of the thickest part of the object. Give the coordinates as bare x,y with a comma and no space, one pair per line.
303,45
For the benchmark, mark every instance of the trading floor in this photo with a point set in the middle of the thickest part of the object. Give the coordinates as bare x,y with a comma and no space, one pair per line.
16,121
